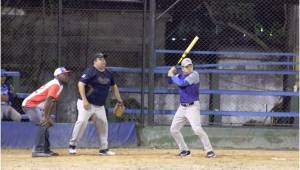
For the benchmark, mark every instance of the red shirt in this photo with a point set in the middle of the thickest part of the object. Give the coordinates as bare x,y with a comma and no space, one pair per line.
37,99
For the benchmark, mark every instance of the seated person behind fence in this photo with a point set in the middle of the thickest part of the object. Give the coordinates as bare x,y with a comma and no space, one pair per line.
7,96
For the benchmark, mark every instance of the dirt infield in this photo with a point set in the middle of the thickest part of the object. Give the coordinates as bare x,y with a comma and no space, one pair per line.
156,159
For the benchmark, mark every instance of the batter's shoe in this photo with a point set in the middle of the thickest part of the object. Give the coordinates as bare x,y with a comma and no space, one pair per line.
184,153
211,154
40,154
72,149
106,152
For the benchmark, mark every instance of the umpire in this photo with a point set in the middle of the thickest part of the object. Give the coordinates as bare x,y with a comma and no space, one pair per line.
93,88
38,106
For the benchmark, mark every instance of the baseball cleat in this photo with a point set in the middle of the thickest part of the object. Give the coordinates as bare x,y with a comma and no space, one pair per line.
184,153
106,152
72,149
52,153
211,154
40,154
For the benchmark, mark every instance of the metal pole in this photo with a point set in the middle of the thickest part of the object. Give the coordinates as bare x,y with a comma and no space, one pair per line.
59,32
167,10
87,42
151,62
143,65
44,29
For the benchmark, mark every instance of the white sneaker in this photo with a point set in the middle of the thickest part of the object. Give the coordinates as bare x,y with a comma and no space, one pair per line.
106,152
72,149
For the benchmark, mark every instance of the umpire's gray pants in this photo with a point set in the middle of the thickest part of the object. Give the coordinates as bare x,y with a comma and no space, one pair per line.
41,142
192,115
100,120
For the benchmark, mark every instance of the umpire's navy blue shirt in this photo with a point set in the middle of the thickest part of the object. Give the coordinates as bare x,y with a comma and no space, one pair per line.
97,85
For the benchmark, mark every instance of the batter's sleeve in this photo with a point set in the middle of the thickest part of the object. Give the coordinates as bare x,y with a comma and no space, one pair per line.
193,78
180,82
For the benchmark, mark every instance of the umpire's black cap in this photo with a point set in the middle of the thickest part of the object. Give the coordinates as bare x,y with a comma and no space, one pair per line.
100,55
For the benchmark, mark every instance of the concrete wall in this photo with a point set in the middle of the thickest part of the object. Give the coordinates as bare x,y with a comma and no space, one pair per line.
237,138
248,82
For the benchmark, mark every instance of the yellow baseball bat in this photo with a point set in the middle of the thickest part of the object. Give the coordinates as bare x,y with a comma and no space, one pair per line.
188,49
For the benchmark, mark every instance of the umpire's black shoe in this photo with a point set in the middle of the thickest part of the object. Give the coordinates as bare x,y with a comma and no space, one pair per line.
211,154
184,153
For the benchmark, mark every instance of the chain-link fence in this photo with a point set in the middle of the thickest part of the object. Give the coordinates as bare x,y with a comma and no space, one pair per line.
245,56
39,36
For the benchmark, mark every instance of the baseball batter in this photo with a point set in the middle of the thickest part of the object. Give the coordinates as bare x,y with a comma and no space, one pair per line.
93,87
189,109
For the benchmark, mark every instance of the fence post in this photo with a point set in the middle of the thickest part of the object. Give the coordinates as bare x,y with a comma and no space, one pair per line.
151,62
214,103
59,32
59,20
143,64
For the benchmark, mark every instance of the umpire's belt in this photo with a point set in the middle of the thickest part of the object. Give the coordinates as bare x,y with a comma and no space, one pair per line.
186,104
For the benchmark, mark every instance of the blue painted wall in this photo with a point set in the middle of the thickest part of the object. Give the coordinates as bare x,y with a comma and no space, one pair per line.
21,135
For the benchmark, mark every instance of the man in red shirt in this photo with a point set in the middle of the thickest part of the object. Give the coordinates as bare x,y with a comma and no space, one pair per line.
38,106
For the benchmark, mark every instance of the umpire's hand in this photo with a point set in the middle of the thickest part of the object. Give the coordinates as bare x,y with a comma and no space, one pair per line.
47,122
